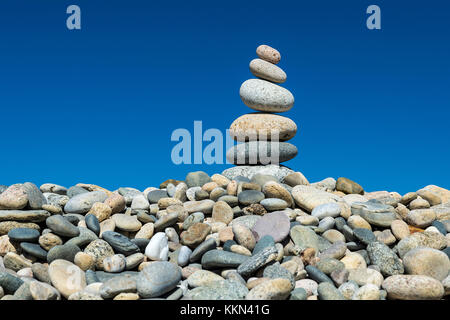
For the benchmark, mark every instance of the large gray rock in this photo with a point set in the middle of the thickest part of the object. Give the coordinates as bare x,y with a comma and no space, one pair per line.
261,152
157,278
83,202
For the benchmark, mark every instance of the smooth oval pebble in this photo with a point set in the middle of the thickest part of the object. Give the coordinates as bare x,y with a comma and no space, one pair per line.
267,71
261,152
24,234
262,126
413,287
157,278
268,54
262,95
61,226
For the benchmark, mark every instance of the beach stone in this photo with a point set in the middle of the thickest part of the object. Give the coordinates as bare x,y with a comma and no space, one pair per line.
331,209
183,256
201,249
348,186
7,226
43,291
222,212
146,231
202,278
262,95
35,197
358,222
197,179
204,206
354,260
24,215
327,291
419,203
275,224
23,235
421,239
102,210
15,262
253,126
367,292
61,226
99,250
115,201
157,278
273,289
192,219
267,71
75,190
363,276
222,259
9,282
273,189
120,243
128,194
348,289
195,234
364,235
84,260
61,270
83,202
382,256
275,271
374,212
386,237
400,229
117,285
219,290
304,237
308,197
14,198
298,294
66,251
328,265
274,204
427,261
126,222
268,54
132,261
86,236
260,259
434,195
244,236
157,248
140,202
295,179
92,223
115,263
49,240
421,218
333,236
53,188
34,250
40,272
413,287
261,152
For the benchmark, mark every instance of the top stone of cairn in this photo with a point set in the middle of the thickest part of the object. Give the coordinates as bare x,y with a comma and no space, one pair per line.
269,54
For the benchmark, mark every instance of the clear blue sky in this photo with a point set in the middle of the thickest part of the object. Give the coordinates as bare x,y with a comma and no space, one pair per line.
99,105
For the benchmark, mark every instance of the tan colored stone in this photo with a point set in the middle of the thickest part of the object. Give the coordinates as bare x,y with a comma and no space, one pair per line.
253,126
49,240
66,277
6,226
272,189
13,198
116,202
226,234
101,210
268,54
6,246
146,231
358,222
126,296
84,261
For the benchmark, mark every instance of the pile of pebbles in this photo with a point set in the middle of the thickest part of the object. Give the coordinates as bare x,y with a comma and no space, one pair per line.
250,236
263,133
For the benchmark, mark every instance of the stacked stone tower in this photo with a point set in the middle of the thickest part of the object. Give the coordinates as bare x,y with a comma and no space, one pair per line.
264,133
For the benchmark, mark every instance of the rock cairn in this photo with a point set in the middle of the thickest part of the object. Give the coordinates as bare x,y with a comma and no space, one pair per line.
224,237
264,133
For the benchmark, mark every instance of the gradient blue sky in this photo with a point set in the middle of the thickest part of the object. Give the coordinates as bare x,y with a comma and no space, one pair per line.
99,105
